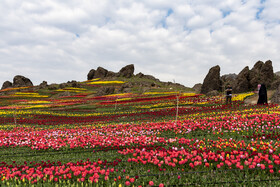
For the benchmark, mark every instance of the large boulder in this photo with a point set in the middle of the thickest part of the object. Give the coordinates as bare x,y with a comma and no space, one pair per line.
127,71
91,74
7,84
242,83
21,81
100,73
276,96
261,73
267,73
212,81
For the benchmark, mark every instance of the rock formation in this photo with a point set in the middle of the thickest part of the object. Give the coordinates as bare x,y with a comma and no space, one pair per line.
212,81
276,96
275,83
21,81
242,83
247,80
105,91
197,87
100,73
126,71
7,84
43,85
261,73
90,75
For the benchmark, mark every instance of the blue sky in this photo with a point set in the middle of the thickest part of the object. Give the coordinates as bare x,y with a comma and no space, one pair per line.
60,41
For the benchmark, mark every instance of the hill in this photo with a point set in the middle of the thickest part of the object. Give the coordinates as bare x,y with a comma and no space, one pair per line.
99,82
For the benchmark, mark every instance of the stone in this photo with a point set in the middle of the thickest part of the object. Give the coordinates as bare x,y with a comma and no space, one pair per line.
242,83
43,85
126,71
21,81
139,75
267,74
64,94
276,96
261,73
74,84
63,85
275,83
197,87
105,91
91,74
212,81
7,84
100,73
53,86
111,74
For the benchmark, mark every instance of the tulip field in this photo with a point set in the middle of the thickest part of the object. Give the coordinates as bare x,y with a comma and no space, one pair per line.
157,138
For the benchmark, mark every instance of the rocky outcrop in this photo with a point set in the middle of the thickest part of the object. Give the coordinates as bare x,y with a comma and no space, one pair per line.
105,91
101,72
275,83
242,83
111,74
126,71
212,81
64,94
261,73
197,87
7,84
43,85
276,96
21,81
53,86
91,74
141,75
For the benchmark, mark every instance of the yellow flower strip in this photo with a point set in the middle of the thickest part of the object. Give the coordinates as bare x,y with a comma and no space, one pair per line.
106,82
10,89
241,97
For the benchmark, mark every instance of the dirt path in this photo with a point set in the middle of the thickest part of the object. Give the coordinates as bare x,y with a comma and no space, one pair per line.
254,99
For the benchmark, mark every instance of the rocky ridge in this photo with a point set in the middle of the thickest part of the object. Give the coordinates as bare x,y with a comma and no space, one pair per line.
140,81
246,80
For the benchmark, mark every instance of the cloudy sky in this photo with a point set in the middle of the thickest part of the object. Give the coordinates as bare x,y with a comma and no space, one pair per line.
178,40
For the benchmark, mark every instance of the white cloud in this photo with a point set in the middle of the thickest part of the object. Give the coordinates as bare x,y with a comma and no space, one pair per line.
176,40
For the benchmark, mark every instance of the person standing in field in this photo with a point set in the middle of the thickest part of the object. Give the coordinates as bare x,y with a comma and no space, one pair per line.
228,94
262,95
